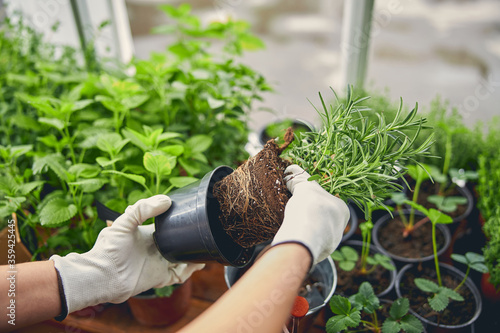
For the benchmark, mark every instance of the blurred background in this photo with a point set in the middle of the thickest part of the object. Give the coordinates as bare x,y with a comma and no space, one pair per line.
417,49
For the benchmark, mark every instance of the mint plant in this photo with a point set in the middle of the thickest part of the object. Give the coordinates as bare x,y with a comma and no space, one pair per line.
73,133
348,314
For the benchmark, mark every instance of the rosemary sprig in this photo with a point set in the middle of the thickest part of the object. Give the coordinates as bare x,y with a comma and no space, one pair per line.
358,159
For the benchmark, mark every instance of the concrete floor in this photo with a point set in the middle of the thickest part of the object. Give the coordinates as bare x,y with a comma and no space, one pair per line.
419,49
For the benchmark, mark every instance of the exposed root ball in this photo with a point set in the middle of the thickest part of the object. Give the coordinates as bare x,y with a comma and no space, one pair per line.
253,197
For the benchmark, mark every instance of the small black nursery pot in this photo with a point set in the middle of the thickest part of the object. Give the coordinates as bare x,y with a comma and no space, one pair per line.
190,231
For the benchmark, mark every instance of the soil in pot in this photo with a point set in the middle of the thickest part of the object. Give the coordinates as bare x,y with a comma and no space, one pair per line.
253,197
456,313
348,282
417,245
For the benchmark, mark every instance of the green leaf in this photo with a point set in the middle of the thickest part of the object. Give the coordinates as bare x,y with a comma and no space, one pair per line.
191,167
419,172
112,143
349,253
136,178
84,170
90,185
437,175
399,308
56,212
159,163
474,257
410,324
199,143
460,258
164,291
438,217
439,302
167,136
398,198
182,181
215,103
391,326
347,265
78,105
104,161
54,162
365,299
426,285
384,261
54,122
451,294
346,316
337,256
27,188
138,139
134,101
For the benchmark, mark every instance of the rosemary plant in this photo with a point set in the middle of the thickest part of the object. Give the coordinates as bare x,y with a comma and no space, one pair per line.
358,159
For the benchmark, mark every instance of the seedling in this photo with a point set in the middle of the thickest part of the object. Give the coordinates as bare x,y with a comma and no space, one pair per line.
441,294
347,257
348,314
472,260
419,173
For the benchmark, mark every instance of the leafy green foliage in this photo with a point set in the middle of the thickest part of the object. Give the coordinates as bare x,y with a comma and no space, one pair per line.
473,260
164,291
441,295
345,315
359,163
82,133
346,257
401,320
348,314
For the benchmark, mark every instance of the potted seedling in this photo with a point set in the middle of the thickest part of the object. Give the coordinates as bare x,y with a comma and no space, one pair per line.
363,312
361,261
405,235
454,301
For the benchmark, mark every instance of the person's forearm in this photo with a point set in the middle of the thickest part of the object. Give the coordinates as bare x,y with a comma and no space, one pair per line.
29,294
261,300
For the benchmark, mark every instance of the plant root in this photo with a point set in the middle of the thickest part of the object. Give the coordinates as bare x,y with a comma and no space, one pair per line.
253,197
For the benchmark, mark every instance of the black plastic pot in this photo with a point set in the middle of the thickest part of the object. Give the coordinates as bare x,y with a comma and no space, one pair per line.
353,223
432,326
190,231
374,249
388,218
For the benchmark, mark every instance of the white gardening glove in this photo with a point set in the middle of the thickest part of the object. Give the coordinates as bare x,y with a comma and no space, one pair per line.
313,217
123,262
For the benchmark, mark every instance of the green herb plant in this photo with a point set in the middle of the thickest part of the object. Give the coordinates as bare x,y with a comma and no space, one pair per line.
362,162
359,313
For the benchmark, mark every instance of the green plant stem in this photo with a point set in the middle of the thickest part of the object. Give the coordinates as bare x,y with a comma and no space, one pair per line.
447,160
464,279
402,216
434,248
414,199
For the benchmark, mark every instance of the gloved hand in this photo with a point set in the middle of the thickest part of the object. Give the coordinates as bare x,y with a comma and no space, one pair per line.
313,217
123,262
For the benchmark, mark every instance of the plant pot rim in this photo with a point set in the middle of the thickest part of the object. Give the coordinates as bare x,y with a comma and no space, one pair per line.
387,218
328,262
392,274
472,287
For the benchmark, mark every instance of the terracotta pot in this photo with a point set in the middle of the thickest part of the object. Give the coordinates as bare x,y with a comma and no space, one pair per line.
488,290
431,325
151,310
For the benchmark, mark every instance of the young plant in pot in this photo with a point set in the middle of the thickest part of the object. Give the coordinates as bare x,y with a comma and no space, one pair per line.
455,301
405,235
359,262
364,311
